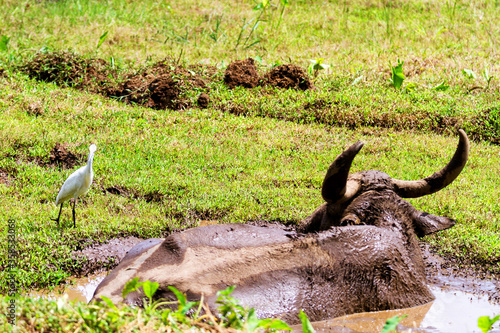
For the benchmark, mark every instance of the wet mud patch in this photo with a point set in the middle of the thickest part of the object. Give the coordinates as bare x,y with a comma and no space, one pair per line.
162,86
449,273
69,70
288,76
94,257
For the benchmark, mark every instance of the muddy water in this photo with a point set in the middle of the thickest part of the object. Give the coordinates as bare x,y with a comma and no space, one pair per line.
453,311
77,290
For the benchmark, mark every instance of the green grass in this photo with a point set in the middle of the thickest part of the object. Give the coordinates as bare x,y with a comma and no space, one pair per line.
253,154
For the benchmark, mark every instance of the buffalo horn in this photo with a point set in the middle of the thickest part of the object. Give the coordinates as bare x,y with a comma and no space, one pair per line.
336,188
440,179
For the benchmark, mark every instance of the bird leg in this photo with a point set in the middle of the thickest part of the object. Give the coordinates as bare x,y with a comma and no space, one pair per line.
58,216
74,216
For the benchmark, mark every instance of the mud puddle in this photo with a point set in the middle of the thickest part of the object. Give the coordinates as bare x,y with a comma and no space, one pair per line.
453,311
80,289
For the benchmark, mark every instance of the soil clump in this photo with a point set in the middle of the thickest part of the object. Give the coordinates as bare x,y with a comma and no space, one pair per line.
161,86
288,76
69,70
242,73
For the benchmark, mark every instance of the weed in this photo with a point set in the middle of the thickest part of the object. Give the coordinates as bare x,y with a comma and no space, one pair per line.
392,323
316,66
487,77
486,323
102,39
306,324
397,76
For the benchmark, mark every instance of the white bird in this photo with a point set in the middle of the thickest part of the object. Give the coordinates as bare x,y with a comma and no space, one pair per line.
76,185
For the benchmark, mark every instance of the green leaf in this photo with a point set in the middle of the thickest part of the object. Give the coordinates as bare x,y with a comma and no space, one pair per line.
130,286
4,43
306,324
109,303
397,75
101,39
441,87
150,288
485,323
180,296
391,324
226,292
469,73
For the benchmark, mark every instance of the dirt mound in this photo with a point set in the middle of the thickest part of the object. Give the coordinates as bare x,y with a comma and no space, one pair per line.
203,100
161,86
68,69
242,73
288,76
60,157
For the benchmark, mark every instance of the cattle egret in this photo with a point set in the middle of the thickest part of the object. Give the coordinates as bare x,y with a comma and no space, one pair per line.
76,185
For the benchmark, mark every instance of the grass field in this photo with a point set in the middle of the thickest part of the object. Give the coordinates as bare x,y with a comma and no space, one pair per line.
266,161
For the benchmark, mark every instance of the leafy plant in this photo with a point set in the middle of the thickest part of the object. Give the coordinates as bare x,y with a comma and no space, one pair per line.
316,66
487,77
306,324
397,76
101,40
392,323
235,316
485,323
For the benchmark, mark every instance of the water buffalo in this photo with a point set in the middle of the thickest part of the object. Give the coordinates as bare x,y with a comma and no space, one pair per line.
357,252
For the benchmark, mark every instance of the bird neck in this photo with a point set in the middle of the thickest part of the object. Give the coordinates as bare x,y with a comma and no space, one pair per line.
90,160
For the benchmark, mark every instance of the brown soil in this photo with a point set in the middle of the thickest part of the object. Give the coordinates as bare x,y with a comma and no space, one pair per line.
242,73
203,100
68,69
288,76
5,178
63,158
159,87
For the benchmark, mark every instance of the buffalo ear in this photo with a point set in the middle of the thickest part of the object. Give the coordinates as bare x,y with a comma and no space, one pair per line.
426,224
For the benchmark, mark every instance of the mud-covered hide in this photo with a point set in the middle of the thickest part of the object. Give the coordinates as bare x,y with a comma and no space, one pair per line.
340,271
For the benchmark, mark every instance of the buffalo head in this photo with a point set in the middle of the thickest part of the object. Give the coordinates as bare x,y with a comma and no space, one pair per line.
357,252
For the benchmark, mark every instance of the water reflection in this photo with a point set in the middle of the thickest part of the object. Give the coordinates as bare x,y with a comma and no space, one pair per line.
452,311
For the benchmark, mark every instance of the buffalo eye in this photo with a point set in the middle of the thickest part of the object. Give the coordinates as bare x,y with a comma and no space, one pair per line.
350,219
